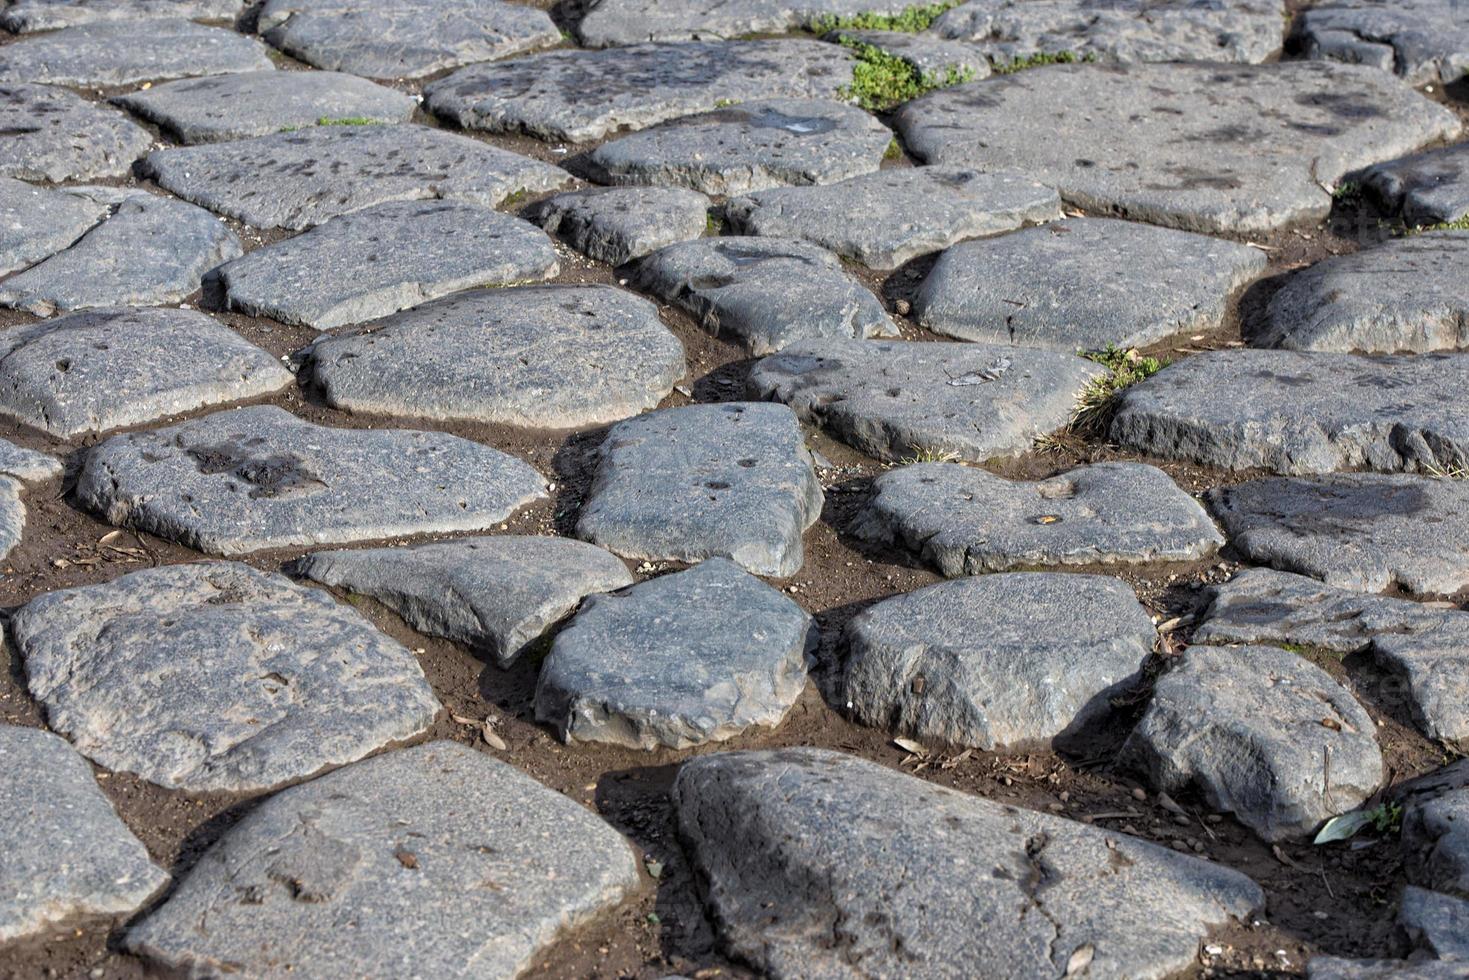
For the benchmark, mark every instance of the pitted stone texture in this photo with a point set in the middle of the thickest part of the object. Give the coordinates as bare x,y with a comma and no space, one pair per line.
987,662
537,356
547,95
258,103
296,180
765,293
24,16
130,51
632,21
1422,40
405,38
1425,188
682,660
967,521
1436,842
617,224
498,594
1084,284
732,480
256,478
928,882
904,212
1337,968
1274,138
1361,531
1247,727
66,851
1434,922
217,676
51,134
385,258
895,399
1301,412
36,223
103,369
446,862
1408,294
27,465
935,57
748,147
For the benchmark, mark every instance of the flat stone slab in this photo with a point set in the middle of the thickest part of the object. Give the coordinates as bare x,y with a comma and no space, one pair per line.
1361,531
1274,138
1424,188
555,357
968,521
1407,294
27,465
681,660
498,595
1422,40
731,480
748,147
66,851
764,293
259,477
1301,413
1434,922
36,223
614,22
549,95
1248,727
1337,968
406,38
126,52
1084,284
258,103
385,258
895,399
617,224
52,134
25,16
986,662
448,862
922,877
299,179
906,211
1436,842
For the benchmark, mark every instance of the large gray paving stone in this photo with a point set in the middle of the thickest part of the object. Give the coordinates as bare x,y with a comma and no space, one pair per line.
617,224
435,861
19,466
66,851
36,223
585,95
126,52
927,882
1248,728
1274,139
731,480
987,662
217,676
24,16
1422,40
1084,284
497,594
765,293
12,515
1434,922
1436,842
936,58
405,38
905,211
895,399
1338,968
684,659
259,477
1296,412
384,258
614,22
299,179
1425,188
968,521
52,134
555,357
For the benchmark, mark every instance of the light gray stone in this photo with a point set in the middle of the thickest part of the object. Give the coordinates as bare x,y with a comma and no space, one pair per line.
536,356
498,594
616,224
682,660
1422,40
549,95
895,399
217,676
299,179
1435,922
1084,284
126,52
27,465
36,223
24,16
381,259
1337,968
1274,138
765,293
926,882
936,59
256,478
631,21
51,134
1249,728
435,861
1436,842
730,480
905,212
1425,188
12,515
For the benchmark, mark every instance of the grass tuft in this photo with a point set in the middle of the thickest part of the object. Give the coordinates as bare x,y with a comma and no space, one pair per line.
910,20
881,80
1044,58
1098,400
1458,224
929,455
347,121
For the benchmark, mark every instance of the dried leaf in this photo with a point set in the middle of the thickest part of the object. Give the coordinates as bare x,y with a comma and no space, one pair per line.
910,746
1342,827
1080,959
491,739
406,858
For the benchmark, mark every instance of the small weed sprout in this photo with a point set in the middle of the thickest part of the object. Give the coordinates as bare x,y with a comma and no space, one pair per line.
347,121
1043,58
1458,224
881,80
1098,400
930,455
910,20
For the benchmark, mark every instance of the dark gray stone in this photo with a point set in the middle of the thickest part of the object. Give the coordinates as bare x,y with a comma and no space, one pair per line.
935,58
616,224
614,22
1422,40
36,223
1336,968
1436,842
24,16
51,134
682,660
1435,922
434,861
256,478
1425,188
731,480
126,52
